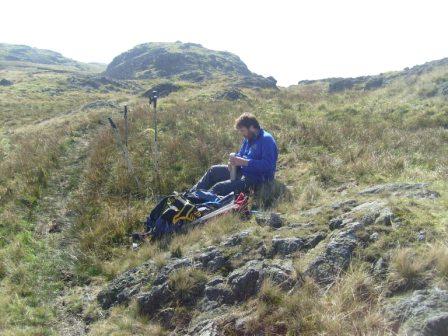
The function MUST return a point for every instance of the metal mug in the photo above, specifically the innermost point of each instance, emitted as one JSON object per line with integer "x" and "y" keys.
{"x": 233, "y": 169}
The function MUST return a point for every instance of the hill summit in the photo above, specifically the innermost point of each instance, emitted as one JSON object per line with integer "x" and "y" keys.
{"x": 183, "y": 61}
{"x": 23, "y": 53}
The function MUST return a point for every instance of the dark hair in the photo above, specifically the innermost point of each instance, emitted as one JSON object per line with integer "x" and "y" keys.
{"x": 246, "y": 120}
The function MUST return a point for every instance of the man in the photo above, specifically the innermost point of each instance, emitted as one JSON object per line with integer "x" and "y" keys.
{"x": 256, "y": 161}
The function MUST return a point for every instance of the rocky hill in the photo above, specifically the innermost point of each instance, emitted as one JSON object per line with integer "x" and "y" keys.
{"x": 23, "y": 53}
{"x": 183, "y": 61}
{"x": 366, "y": 83}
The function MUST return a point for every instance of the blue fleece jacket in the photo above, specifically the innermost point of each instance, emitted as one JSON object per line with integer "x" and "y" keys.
{"x": 262, "y": 155}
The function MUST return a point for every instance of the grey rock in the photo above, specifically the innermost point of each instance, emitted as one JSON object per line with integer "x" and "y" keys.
{"x": 374, "y": 236}
{"x": 204, "y": 328}
{"x": 347, "y": 204}
{"x": 104, "y": 83}
{"x": 5, "y": 82}
{"x": 379, "y": 268}
{"x": 286, "y": 246}
{"x": 424, "y": 312}
{"x": 421, "y": 235}
{"x": 312, "y": 240}
{"x": 335, "y": 223}
{"x": 149, "y": 303}
{"x": 271, "y": 219}
{"x": 162, "y": 275}
{"x": 313, "y": 211}
{"x": 125, "y": 286}
{"x": 280, "y": 272}
{"x": 212, "y": 260}
{"x": 368, "y": 207}
{"x": 257, "y": 82}
{"x": 166, "y": 317}
{"x": 385, "y": 217}
{"x": 335, "y": 259}
{"x": 236, "y": 239}
{"x": 413, "y": 190}
{"x": 244, "y": 282}
{"x": 220, "y": 293}
{"x": 436, "y": 325}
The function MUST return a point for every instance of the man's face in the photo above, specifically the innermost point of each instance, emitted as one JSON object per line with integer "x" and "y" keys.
{"x": 248, "y": 133}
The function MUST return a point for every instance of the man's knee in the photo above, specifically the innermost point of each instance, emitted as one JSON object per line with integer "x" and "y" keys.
{"x": 219, "y": 172}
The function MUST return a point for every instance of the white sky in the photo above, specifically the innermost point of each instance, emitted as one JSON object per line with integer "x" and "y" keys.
{"x": 290, "y": 40}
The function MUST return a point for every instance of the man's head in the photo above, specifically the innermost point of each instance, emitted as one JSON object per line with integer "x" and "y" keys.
{"x": 247, "y": 125}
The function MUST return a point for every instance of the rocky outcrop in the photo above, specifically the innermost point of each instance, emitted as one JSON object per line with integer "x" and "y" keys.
{"x": 5, "y": 82}
{"x": 184, "y": 61}
{"x": 412, "y": 190}
{"x": 231, "y": 94}
{"x": 366, "y": 83}
{"x": 290, "y": 245}
{"x": 102, "y": 83}
{"x": 162, "y": 89}
{"x": 338, "y": 252}
{"x": 234, "y": 270}
{"x": 423, "y": 313}
{"x": 334, "y": 260}
{"x": 126, "y": 285}
{"x": 23, "y": 53}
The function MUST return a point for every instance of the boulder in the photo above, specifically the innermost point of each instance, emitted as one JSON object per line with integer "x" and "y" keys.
{"x": 125, "y": 286}
{"x": 436, "y": 325}
{"x": 280, "y": 273}
{"x": 245, "y": 281}
{"x": 424, "y": 312}
{"x": 312, "y": 240}
{"x": 5, "y": 82}
{"x": 204, "y": 328}
{"x": 236, "y": 239}
{"x": 150, "y": 302}
{"x": 335, "y": 259}
{"x": 344, "y": 205}
{"x": 271, "y": 219}
{"x": 212, "y": 260}
{"x": 162, "y": 275}
{"x": 218, "y": 291}
{"x": 287, "y": 246}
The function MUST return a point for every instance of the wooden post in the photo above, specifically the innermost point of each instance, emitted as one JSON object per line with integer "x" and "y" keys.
{"x": 124, "y": 151}
{"x": 126, "y": 125}
{"x": 153, "y": 102}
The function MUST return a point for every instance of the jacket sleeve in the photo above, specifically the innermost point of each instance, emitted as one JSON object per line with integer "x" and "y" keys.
{"x": 268, "y": 158}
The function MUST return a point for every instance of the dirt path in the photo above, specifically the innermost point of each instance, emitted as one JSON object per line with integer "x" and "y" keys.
{"x": 53, "y": 222}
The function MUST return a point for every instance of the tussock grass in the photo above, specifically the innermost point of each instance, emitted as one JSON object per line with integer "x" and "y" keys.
{"x": 123, "y": 323}
{"x": 348, "y": 308}
{"x": 186, "y": 283}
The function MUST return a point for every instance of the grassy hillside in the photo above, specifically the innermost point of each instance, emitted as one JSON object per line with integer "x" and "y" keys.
{"x": 68, "y": 205}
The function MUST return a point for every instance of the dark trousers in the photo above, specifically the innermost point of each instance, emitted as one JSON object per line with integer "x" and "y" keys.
{"x": 217, "y": 180}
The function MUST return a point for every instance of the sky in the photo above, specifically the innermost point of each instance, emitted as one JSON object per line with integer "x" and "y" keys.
{"x": 290, "y": 40}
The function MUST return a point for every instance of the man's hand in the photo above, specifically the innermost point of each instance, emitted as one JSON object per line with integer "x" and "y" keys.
{"x": 238, "y": 161}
